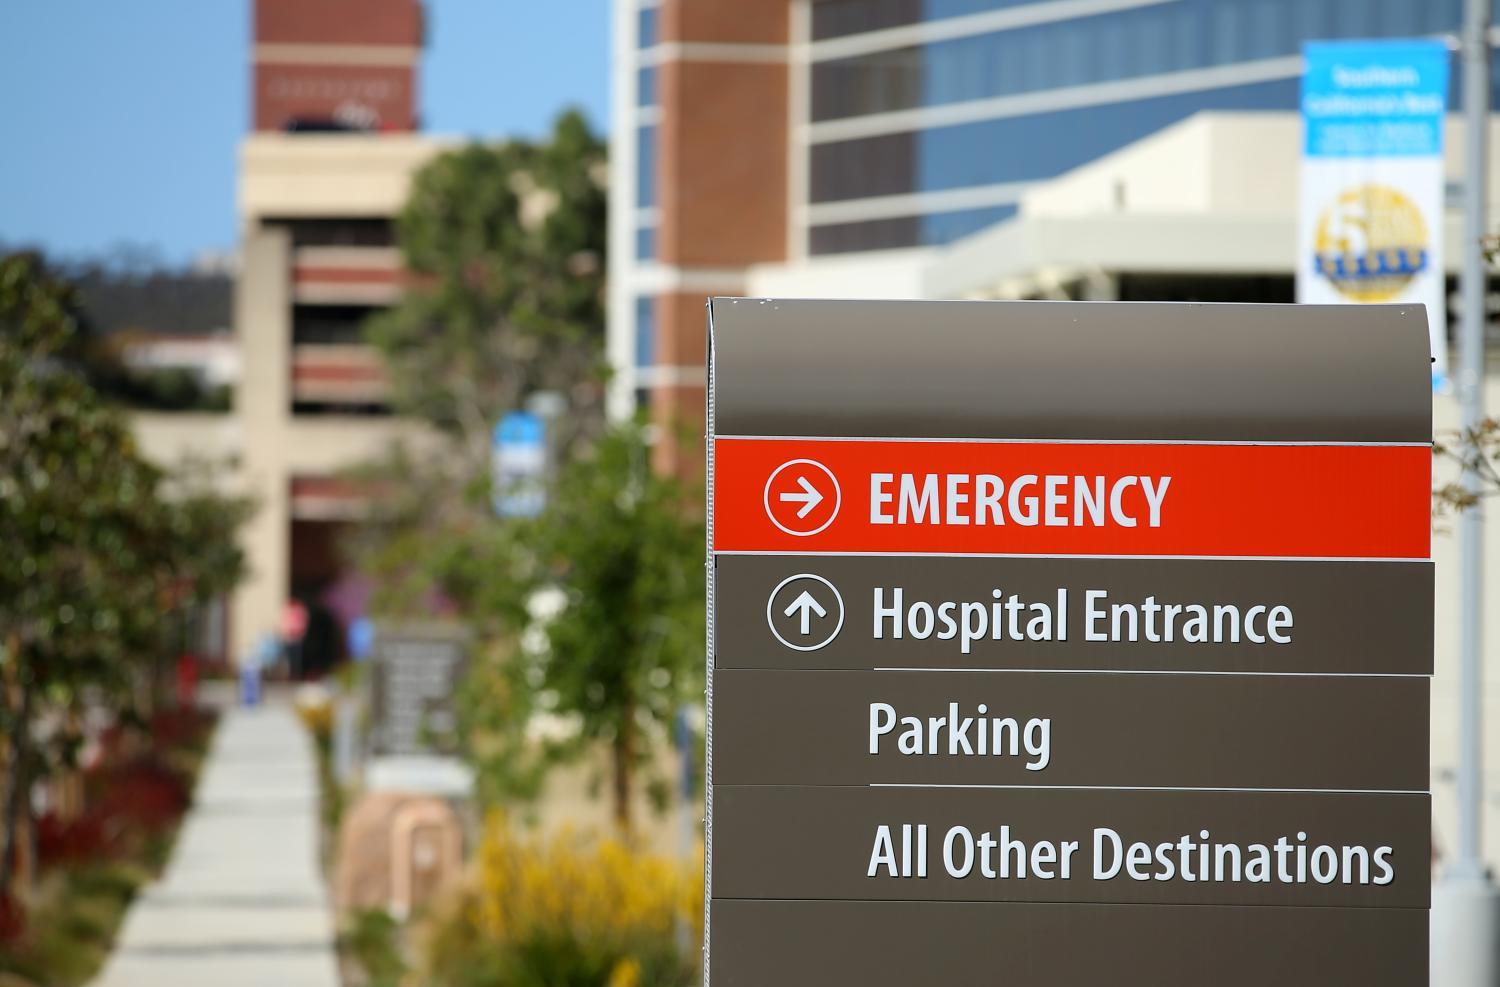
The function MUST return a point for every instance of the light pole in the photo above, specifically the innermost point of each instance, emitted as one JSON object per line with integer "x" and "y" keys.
{"x": 1465, "y": 907}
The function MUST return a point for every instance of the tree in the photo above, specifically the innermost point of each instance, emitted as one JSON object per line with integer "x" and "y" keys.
{"x": 504, "y": 246}
{"x": 1473, "y": 450}
{"x": 625, "y": 546}
{"x": 97, "y": 558}
{"x": 505, "y": 249}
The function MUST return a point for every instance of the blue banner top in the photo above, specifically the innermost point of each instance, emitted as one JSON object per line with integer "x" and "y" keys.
{"x": 1374, "y": 98}
{"x": 520, "y": 428}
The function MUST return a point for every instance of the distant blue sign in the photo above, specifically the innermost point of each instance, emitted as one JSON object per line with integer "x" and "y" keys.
{"x": 1370, "y": 224}
{"x": 519, "y": 465}
{"x": 361, "y": 636}
{"x": 1375, "y": 98}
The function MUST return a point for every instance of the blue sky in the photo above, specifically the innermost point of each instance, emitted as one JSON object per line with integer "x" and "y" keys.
{"x": 121, "y": 117}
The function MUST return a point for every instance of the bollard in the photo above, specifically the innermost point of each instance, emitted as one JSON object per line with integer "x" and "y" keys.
{"x": 1465, "y": 934}
{"x": 250, "y": 684}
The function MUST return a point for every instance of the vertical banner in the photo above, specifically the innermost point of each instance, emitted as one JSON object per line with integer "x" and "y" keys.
{"x": 518, "y": 465}
{"x": 1370, "y": 226}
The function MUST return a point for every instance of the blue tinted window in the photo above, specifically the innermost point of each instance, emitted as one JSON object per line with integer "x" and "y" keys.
{"x": 905, "y": 231}
{"x": 645, "y": 176}
{"x": 1356, "y": 18}
{"x": 645, "y": 332}
{"x": 1456, "y": 82}
{"x": 945, "y": 227}
{"x": 645, "y": 243}
{"x": 645, "y": 86}
{"x": 646, "y": 28}
{"x": 1025, "y": 148}
{"x": 1170, "y": 37}
{"x": 835, "y": 18}
{"x": 1040, "y": 146}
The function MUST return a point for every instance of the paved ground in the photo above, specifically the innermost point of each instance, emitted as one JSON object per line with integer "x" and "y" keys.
{"x": 242, "y": 903}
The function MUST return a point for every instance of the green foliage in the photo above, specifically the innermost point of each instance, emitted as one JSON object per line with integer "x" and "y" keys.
{"x": 1474, "y": 452}
{"x": 566, "y": 912}
{"x": 104, "y": 550}
{"x": 618, "y": 554}
{"x": 99, "y": 552}
{"x": 621, "y": 543}
{"x": 70, "y": 932}
{"x": 506, "y": 247}
{"x": 76, "y": 502}
{"x": 73, "y": 913}
{"x": 373, "y": 939}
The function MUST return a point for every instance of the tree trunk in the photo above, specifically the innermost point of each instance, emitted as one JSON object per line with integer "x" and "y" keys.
{"x": 624, "y": 758}
{"x": 15, "y": 785}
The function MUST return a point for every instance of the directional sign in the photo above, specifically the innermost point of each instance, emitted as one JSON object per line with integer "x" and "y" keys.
{"x": 1098, "y": 651}
{"x": 803, "y": 606}
{"x": 518, "y": 465}
{"x": 802, "y": 497}
{"x": 805, "y": 612}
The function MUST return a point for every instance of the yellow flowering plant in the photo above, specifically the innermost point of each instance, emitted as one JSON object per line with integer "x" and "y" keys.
{"x": 568, "y": 911}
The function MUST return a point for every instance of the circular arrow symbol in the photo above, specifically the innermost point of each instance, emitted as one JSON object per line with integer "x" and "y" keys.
{"x": 802, "y": 497}
{"x": 805, "y": 612}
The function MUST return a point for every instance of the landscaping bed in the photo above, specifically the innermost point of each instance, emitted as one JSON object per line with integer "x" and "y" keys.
{"x": 58, "y": 928}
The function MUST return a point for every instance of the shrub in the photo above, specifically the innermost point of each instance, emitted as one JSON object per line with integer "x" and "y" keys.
{"x": 373, "y": 939}
{"x": 568, "y": 912}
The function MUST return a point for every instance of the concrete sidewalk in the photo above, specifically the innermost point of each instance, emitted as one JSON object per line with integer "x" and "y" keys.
{"x": 242, "y": 903}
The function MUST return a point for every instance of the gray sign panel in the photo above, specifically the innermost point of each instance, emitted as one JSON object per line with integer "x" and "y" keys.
{"x": 1051, "y": 370}
{"x": 1367, "y": 617}
{"x": 1039, "y": 728}
{"x": 1083, "y": 845}
{"x": 887, "y": 944}
{"x": 415, "y": 672}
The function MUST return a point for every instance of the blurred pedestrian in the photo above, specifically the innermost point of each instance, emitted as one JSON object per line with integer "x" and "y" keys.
{"x": 293, "y": 631}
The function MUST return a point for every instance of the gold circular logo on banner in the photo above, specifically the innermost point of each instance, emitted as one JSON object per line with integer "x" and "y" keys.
{"x": 1370, "y": 243}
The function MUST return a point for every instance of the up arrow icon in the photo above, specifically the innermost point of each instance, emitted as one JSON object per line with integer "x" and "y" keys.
{"x": 794, "y": 603}
{"x": 808, "y": 606}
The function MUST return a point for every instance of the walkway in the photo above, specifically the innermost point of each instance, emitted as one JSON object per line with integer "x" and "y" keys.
{"x": 242, "y": 903}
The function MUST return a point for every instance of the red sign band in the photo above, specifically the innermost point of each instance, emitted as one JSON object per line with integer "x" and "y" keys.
{"x": 1038, "y": 498}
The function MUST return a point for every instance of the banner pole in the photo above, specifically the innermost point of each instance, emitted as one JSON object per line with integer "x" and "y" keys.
{"x": 1476, "y": 58}
{"x": 1465, "y": 947}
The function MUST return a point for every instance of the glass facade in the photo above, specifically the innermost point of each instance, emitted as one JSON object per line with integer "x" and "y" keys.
{"x": 1014, "y": 149}
{"x": 906, "y": 231}
{"x": 645, "y": 86}
{"x": 646, "y": 25}
{"x": 837, "y": 18}
{"x": 1148, "y": 46}
{"x": 834, "y": 18}
{"x": 645, "y": 332}
{"x": 646, "y": 97}
{"x": 1126, "y": 44}
{"x": 645, "y": 164}
{"x": 645, "y": 242}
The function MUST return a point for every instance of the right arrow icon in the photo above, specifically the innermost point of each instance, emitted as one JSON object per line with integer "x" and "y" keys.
{"x": 802, "y": 497}
{"x": 809, "y": 497}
